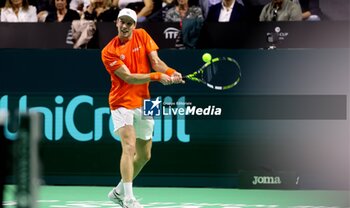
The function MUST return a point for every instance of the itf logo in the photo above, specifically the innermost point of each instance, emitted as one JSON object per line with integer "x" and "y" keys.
{"x": 151, "y": 107}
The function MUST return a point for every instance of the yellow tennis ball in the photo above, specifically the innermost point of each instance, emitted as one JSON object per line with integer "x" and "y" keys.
{"x": 206, "y": 57}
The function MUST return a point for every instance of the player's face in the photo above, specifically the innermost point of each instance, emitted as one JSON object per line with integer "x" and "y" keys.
{"x": 125, "y": 27}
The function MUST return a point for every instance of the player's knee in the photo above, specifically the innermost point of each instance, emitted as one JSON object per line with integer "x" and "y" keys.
{"x": 129, "y": 148}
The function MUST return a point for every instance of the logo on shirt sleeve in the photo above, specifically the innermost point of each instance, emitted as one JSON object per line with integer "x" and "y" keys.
{"x": 113, "y": 63}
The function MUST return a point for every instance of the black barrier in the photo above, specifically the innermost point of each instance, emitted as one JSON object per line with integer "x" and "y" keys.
{"x": 322, "y": 34}
{"x": 288, "y": 113}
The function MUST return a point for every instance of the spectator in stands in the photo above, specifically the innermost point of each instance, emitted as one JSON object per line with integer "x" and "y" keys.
{"x": 159, "y": 14}
{"x": 101, "y": 10}
{"x": 281, "y": 10}
{"x": 190, "y": 18}
{"x": 182, "y": 10}
{"x": 62, "y": 13}
{"x": 206, "y": 4}
{"x": 227, "y": 11}
{"x": 311, "y": 10}
{"x": 143, "y": 8}
{"x": 79, "y": 5}
{"x": 254, "y": 8}
{"x": 18, "y": 11}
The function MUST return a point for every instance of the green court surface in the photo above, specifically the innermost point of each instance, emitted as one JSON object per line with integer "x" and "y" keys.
{"x": 85, "y": 196}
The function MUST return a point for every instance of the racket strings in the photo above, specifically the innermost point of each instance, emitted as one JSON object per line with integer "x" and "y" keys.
{"x": 211, "y": 72}
{"x": 221, "y": 73}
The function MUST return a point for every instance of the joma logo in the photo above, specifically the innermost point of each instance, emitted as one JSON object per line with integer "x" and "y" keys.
{"x": 266, "y": 180}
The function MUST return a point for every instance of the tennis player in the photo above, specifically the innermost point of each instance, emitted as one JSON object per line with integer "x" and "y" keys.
{"x": 127, "y": 58}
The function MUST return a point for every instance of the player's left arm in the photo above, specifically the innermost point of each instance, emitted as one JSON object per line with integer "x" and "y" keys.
{"x": 160, "y": 66}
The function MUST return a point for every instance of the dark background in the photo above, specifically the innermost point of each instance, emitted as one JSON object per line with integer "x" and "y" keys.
{"x": 288, "y": 113}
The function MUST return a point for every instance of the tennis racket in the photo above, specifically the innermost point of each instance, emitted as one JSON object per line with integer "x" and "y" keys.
{"x": 218, "y": 74}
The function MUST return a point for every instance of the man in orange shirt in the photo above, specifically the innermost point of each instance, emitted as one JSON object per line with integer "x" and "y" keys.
{"x": 127, "y": 58}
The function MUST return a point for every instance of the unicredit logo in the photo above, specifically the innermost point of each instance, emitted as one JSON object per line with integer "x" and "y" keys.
{"x": 61, "y": 119}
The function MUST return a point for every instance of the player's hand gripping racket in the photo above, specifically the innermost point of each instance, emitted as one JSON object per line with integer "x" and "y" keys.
{"x": 218, "y": 73}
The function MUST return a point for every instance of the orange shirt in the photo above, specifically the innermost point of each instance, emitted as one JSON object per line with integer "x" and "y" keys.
{"x": 134, "y": 54}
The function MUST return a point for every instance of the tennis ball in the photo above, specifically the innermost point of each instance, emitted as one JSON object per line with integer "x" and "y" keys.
{"x": 206, "y": 57}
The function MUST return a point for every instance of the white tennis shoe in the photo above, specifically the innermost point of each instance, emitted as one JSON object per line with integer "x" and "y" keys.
{"x": 131, "y": 203}
{"x": 115, "y": 197}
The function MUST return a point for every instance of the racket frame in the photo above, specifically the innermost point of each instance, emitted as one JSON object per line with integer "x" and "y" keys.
{"x": 200, "y": 72}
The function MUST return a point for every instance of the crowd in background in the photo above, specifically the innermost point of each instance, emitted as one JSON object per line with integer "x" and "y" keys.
{"x": 160, "y": 10}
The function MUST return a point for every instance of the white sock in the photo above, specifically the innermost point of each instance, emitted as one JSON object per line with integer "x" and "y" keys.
{"x": 119, "y": 188}
{"x": 128, "y": 190}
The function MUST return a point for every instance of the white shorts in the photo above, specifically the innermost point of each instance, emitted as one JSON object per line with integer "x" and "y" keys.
{"x": 143, "y": 125}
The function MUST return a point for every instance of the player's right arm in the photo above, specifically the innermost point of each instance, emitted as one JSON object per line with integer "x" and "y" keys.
{"x": 115, "y": 66}
{"x": 132, "y": 78}
{"x": 161, "y": 66}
